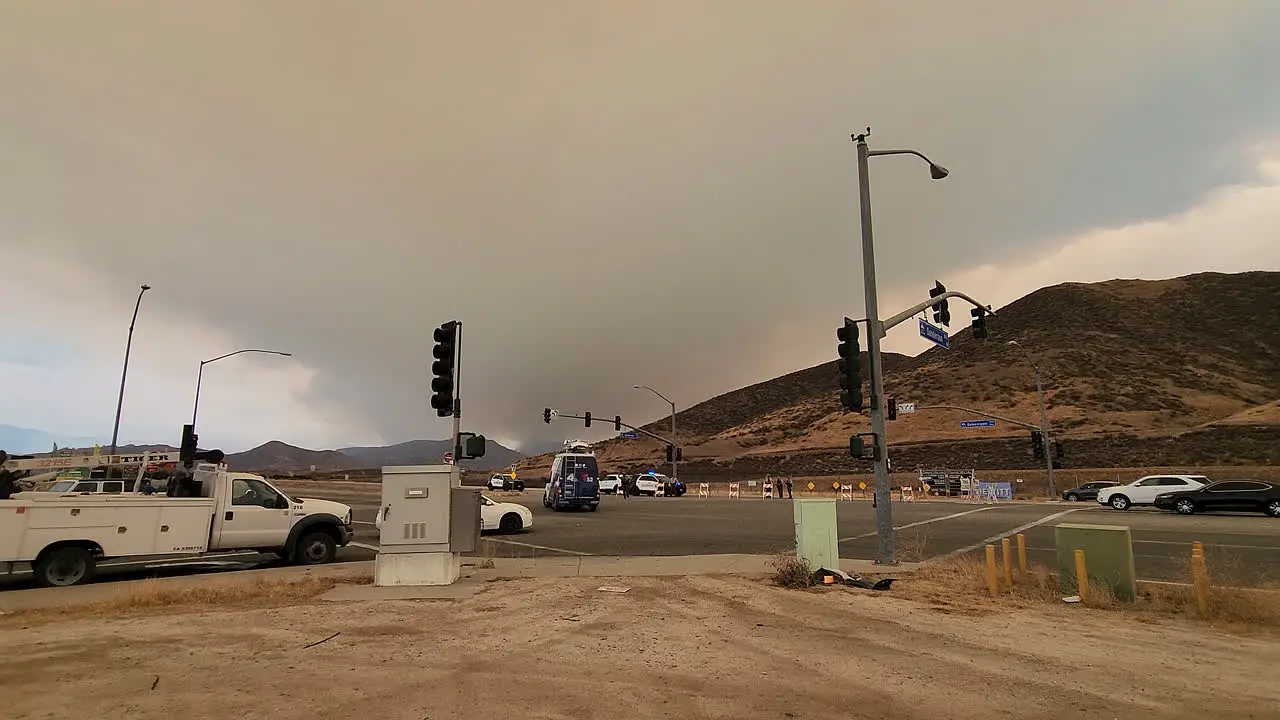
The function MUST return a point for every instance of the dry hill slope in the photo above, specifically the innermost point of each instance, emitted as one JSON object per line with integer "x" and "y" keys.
{"x": 1123, "y": 358}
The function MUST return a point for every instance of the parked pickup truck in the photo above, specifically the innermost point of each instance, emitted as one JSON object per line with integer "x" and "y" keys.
{"x": 63, "y": 536}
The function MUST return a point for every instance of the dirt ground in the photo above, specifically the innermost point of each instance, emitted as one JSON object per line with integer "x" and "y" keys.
{"x": 696, "y": 647}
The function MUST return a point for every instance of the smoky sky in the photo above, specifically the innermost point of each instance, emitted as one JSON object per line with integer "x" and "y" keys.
{"x": 606, "y": 194}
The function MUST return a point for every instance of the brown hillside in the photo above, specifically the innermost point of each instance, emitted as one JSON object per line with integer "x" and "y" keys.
{"x": 1118, "y": 357}
{"x": 278, "y": 457}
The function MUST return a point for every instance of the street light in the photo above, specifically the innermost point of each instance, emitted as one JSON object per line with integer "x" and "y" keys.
{"x": 115, "y": 431}
{"x": 200, "y": 375}
{"x": 875, "y": 331}
{"x": 1044, "y": 421}
{"x": 674, "y": 446}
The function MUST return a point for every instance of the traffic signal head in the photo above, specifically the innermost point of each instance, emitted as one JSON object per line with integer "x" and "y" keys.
{"x": 473, "y": 446}
{"x": 856, "y": 446}
{"x": 891, "y": 411}
{"x": 941, "y": 309}
{"x": 442, "y": 368}
{"x": 187, "y": 449}
{"x": 850, "y": 366}
{"x": 617, "y": 423}
{"x": 586, "y": 416}
{"x": 546, "y": 415}
{"x": 1037, "y": 444}
{"x": 979, "y": 324}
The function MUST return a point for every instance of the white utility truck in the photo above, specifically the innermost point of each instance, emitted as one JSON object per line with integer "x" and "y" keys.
{"x": 62, "y": 536}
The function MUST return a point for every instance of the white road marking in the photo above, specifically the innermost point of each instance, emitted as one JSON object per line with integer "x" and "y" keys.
{"x": 1014, "y": 531}
{"x": 1187, "y": 543}
{"x": 365, "y": 546}
{"x": 540, "y": 547}
{"x": 924, "y": 522}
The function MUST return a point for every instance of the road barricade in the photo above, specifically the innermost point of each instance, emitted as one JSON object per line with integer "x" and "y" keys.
{"x": 846, "y": 492}
{"x": 733, "y": 491}
{"x": 907, "y": 494}
{"x": 704, "y": 489}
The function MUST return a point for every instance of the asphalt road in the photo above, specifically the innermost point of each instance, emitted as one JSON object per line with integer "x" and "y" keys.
{"x": 1241, "y": 549}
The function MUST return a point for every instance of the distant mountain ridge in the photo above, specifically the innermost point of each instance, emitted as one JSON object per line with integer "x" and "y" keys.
{"x": 280, "y": 457}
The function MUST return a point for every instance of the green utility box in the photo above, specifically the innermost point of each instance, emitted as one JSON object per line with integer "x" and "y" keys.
{"x": 816, "y": 541}
{"x": 1108, "y": 557}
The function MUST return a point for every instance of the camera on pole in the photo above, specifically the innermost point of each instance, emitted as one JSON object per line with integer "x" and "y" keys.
{"x": 850, "y": 366}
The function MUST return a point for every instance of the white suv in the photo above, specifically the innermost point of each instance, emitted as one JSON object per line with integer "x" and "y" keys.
{"x": 611, "y": 484}
{"x": 1144, "y": 490}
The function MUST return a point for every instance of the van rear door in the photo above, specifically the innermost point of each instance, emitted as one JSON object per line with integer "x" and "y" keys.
{"x": 581, "y": 479}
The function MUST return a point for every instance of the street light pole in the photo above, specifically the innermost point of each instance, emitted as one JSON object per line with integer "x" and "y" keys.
{"x": 674, "y": 446}
{"x": 128, "y": 347}
{"x": 1044, "y": 422}
{"x": 875, "y": 331}
{"x": 195, "y": 407}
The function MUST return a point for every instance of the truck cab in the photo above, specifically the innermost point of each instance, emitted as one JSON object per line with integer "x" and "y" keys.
{"x": 574, "y": 480}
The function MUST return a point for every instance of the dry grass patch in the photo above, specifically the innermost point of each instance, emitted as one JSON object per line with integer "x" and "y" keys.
{"x": 790, "y": 571}
{"x": 154, "y": 597}
{"x": 959, "y": 585}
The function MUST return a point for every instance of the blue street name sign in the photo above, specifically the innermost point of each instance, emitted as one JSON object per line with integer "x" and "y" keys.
{"x": 629, "y": 435}
{"x": 977, "y": 423}
{"x": 935, "y": 335}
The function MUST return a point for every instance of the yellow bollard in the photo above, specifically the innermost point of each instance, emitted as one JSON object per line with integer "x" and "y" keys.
{"x": 1022, "y": 555}
{"x": 1082, "y": 576}
{"x": 1006, "y": 555}
{"x": 991, "y": 571}
{"x": 1200, "y": 578}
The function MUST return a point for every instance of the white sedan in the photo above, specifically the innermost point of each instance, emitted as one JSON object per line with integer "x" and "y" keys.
{"x": 504, "y": 517}
{"x": 1144, "y": 490}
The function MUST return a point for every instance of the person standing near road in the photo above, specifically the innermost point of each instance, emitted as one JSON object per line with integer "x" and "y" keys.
{"x": 789, "y": 495}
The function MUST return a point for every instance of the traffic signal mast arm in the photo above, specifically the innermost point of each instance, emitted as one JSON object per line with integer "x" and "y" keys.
{"x": 664, "y": 441}
{"x": 1028, "y": 426}
{"x": 910, "y": 312}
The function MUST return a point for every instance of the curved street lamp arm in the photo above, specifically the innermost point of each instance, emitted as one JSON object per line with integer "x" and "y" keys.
{"x": 237, "y": 352}
{"x": 655, "y": 392}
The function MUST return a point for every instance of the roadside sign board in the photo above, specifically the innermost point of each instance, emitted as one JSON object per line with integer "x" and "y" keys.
{"x": 862, "y": 486}
{"x": 977, "y": 423}
{"x": 810, "y": 486}
{"x": 448, "y": 457}
{"x": 935, "y": 335}
{"x": 629, "y": 435}
{"x": 905, "y": 408}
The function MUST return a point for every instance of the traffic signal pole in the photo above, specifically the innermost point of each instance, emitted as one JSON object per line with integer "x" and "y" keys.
{"x": 632, "y": 428}
{"x": 884, "y": 506}
{"x": 457, "y": 400}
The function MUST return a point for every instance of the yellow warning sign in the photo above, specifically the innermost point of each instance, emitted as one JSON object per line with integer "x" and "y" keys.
{"x": 835, "y": 485}
{"x": 862, "y": 486}
{"x": 810, "y": 486}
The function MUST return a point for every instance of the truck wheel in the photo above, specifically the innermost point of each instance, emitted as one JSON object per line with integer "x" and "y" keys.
{"x": 315, "y": 548}
{"x": 63, "y": 567}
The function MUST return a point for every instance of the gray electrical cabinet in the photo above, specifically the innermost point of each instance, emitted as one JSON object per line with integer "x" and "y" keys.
{"x": 425, "y": 510}
{"x": 464, "y": 519}
{"x": 416, "y": 501}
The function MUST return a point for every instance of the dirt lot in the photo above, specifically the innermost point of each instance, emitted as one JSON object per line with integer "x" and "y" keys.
{"x": 700, "y": 647}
